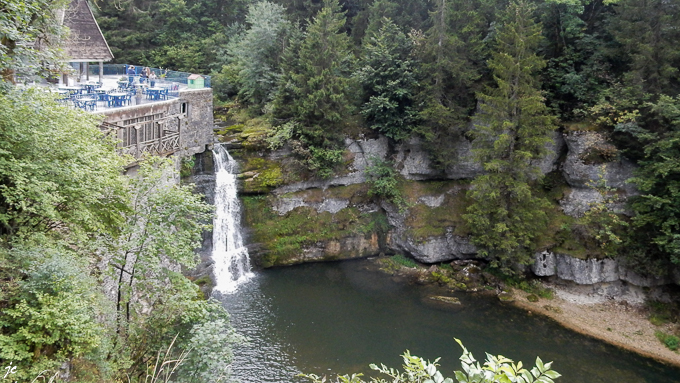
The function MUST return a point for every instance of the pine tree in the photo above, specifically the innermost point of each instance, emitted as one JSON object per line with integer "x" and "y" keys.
{"x": 319, "y": 90}
{"x": 512, "y": 130}
{"x": 387, "y": 77}
{"x": 451, "y": 52}
{"x": 648, "y": 32}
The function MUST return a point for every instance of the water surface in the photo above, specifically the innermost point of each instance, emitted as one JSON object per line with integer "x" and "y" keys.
{"x": 330, "y": 318}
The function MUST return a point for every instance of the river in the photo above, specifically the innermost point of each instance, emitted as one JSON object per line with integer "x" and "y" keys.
{"x": 330, "y": 318}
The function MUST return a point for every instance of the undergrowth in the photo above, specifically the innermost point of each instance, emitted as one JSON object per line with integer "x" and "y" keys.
{"x": 670, "y": 341}
{"x": 401, "y": 260}
{"x": 661, "y": 313}
{"x": 531, "y": 286}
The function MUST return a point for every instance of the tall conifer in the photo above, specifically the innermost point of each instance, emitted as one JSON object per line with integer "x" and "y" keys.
{"x": 452, "y": 54}
{"x": 387, "y": 77}
{"x": 320, "y": 89}
{"x": 512, "y": 130}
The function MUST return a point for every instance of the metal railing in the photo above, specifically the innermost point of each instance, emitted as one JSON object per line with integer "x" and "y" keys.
{"x": 161, "y": 74}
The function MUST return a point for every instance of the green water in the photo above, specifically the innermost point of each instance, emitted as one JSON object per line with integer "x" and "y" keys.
{"x": 330, "y": 318}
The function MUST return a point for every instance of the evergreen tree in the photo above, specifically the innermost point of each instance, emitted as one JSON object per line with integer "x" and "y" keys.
{"x": 386, "y": 75}
{"x": 577, "y": 66}
{"x": 316, "y": 93}
{"x": 648, "y": 32}
{"x": 511, "y": 133}
{"x": 654, "y": 242}
{"x": 451, "y": 52}
{"x": 255, "y": 54}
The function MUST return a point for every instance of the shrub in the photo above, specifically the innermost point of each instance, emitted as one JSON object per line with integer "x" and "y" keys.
{"x": 403, "y": 261}
{"x": 671, "y": 341}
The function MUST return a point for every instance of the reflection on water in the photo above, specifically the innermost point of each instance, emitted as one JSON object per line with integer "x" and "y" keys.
{"x": 330, "y": 318}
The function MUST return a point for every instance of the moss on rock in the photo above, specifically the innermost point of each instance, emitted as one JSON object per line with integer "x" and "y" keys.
{"x": 284, "y": 238}
{"x": 424, "y": 221}
{"x": 259, "y": 175}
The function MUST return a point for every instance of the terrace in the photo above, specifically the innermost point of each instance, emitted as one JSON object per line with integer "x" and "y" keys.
{"x": 113, "y": 89}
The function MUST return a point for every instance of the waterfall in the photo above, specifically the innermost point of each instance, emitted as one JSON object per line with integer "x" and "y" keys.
{"x": 230, "y": 257}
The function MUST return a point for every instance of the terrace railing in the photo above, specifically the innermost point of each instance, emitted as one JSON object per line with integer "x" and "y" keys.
{"x": 161, "y": 74}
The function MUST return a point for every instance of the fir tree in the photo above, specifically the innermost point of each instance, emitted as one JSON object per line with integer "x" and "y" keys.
{"x": 451, "y": 52}
{"x": 318, "y": 90}
{"x": 511, "y": 133}
{"x": 386, "y": 75}
{"x": 648, "y": 32}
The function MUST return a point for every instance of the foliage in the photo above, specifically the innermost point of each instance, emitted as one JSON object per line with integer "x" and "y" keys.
{"x": 531, "y": 286}
{"x": 316, "y": 91}
{"x": 670, "y": 341}
{"x": 386, "y": 75}
{"x": 186, "y": 35}
{"x": 661, "y": 313}
{"x": 656, "y": 221}
{"x": 452, "y": 52}
{"x": 30, "y": 38}
{"x": 186, "y": 166}
{"x": 647, "y": 32}
{"x": 603, "y": 225}
{"x": 58, "y": 173}
{"x": 400, "y": 259}
{"x": 52, "y": 315}
{"x": 578, "y": 67}
{"x": 255, "y": 54}
{"x": 496, "y": 369}
{"x": 383, "y": 182}
{"x": 210, "y": 357}
{"x": 280, "y": 135}
{"x": 162, "y": 230}
{"x": 61, "y": 188}
{"x": 511, "y": 134}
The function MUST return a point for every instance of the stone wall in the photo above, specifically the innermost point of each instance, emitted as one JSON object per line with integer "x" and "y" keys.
{"x": 198, "y": 134}
{"x": 194, "y": 108}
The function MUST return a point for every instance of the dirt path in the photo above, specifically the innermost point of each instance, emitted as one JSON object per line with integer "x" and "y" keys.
{"x": 614, "y": 322}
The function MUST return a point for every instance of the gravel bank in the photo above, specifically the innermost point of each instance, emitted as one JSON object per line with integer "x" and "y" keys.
{"x": 619, "y": 323}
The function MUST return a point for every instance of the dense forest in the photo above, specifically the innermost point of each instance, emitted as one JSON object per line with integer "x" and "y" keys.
{"x": 85, "y": 286}
{"x": 503, "y": 75}
{"x": 91, "y": 288}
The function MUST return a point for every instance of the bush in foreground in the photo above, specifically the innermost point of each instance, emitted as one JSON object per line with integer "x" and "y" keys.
{"x": 496, "y": 369}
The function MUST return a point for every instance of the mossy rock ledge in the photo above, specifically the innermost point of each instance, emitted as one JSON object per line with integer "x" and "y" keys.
{"x": 291, "y": 217}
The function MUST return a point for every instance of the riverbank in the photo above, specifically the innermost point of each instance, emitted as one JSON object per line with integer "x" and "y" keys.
{"x": 618, "y": 323}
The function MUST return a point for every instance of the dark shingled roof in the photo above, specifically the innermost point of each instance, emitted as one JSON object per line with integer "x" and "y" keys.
{"x": 86, "y": 42}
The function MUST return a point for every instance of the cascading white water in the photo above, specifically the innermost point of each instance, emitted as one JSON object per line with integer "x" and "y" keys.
{"x": 232, "y": 264}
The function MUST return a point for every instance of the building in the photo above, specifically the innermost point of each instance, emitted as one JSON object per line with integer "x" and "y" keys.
{"x": 86, "y": 43}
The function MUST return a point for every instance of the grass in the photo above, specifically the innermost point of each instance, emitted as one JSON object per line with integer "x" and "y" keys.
{"x": 403, "y": 261}
{"x": 672, "y": 342}
{"x": 661, "y": 313}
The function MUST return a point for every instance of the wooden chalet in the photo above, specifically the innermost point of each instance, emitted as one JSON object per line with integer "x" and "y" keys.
{"x": 85, "y": 43}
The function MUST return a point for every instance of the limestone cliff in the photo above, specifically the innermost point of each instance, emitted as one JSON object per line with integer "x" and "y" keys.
{"x": 292, "y": 218}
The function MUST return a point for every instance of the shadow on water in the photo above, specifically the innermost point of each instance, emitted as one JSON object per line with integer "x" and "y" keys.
{"x": 330, "y": 318}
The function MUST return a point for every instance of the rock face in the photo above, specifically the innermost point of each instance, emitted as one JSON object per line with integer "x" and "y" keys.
{"x": 589, "y": 271}
{"x": 592, "y": 163}
{"x": 431, "y": 249}
{"x": 303, "y": 220}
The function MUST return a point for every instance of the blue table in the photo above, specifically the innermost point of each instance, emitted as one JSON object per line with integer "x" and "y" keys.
{"x": 117, "y": 99}
{"x": 154, "y": 93}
